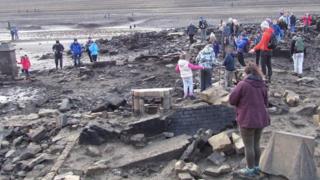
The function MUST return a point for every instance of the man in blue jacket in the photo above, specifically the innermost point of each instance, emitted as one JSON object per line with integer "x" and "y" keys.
{"x": 76, "y": 51}
{"x": 94, "y": 50}
{"x": 276, "y": 30}
{"x": 241, "y": 43}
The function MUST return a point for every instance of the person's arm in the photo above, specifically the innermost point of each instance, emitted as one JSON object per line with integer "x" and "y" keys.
{"x": 62, "y": 47}
{"x": 194, "y": 67}
{"x": 53, "y": 47}
{"x": 235, "y": 95}
{"x": 177, "y": 68}
{"x": 261, "y": 43}
{"x": 266, "y": 99}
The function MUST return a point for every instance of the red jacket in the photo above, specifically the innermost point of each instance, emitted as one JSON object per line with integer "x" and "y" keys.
{"x": 307, "y": 20}
{"x": 25, "y": 62}
{"x": 251, "y": 100}
{"x": 264, "y": 42}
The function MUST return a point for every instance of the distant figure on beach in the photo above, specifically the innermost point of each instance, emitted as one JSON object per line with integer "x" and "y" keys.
{"x": 94, "y": 49}
{"x": 88, "y": 44}
{"x": 191, "y": 31}
{"x": 58, "y": 54}
{"x": 76, "y": 51}
{"x": 14, "y": 33}
{"x": 25, "y": 62}
{"x": 203, "y": 25}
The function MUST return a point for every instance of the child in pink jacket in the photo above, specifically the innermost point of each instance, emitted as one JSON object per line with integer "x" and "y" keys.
{"x": 184, "y": 67}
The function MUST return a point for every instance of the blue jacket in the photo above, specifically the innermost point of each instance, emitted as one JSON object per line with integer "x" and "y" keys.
{"x": 276, "y": 29}
{"x": 76, "y": 48}
{"x": 216, "y": 47}
{"x": 229, "y": 62}
{"x": 94, "y": 49}
{"x": 241, "y": 44}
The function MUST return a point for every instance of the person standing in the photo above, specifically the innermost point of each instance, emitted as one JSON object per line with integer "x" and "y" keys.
{"x": 229, "y": 64}
{"x": 206, "y": 58}
{"x": 58, "y": 54}
{"x": 277, "y": 30}
{"x": 184, "y": 67}
{"x": 298, "y": 52}
{"x": 88, "y": 44}
{"x": 76, "y": 51}
{"x": 191, "y": 31}
{"x": 203, "y": 25}
{"x": 266, "y": 51}
{"x": 307, "y": 21}
{"x": 12, "y": 33}
{"x": 241, "y": 44}
{"x": 25, "y": 62}
{"x": 250, "y": 97}
{"x": 293, "y": 22}
{"x": 94, "y": 49}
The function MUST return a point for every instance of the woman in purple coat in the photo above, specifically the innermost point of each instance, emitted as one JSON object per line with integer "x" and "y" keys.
{"x": 250, "y": 97}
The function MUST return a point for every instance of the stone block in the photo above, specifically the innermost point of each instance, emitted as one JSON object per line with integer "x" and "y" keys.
{"x": 238, "y": 143}
{"x": 38, "y": 134}
{"x": 217, "y": 158}
{"x": 215, "y": 172}
{"x": 216, "y": 95}
{"x": 179, "y": 165}
{"x": 290, "y": 155}
{"x": 185, "y": 176}
{"x": 193, "y": 169}
{"x": 305, "y": 110}
{"x": 316, "y": 119}
{"x": 291, "y": 98}
{"x": 93, "y": 151}
{"x": 48, "y": 113}
{"x": 220, "y": 142}
{"x": 138, "y": 140}
{"x": 65, "y": 105}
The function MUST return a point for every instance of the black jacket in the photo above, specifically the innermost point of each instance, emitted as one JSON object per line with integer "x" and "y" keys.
{"x": 58, "y": 49}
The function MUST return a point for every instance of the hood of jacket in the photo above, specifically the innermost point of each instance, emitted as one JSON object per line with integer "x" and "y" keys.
{"x": 255, "y": 81}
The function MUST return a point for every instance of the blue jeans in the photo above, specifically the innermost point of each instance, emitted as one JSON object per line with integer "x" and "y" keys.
{"x": 292, "y": 28}
{"x": 187, "y": 86}
{"x": 76, "y": 59}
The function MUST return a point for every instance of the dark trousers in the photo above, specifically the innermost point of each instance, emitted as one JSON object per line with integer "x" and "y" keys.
{"x": 26, "y": 72}
{"x": 266, "y": 63}
{"x": 94, "y": 58}
{"x": 205, "y": 79}
{"x": 89, "y": 54}
{"x": 251, "y": 140}
{"x": 258, "y": 54}
{"x": 58, "y": 60}
{"x": 241, "y": 59}
{"x": 191, "y": 38}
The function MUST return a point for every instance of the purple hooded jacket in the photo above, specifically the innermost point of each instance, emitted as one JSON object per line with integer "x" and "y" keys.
{"x": 251, "y": 100}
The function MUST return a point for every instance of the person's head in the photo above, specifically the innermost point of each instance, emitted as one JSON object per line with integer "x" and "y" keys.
{"x": 57, "y": 41}
{"x": 264, "y": 25}
{"x": 212, "y": 37}
{"x": 229, "y": 49}
{"x": 253, "y": 69}
{"x": 269, "y": 21}
{"x": 183, "y": 55}
{"x": 230, "y": 20}
{"x": 201, "y": 18}
{"x": 75, "y": 40}
{"x": 307, "y": 14}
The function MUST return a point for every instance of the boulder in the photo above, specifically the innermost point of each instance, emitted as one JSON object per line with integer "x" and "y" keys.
{"x": 193, "y": 169}
{"x": 217, "y": 158}
{"x": 215, "y": 95}
{"x": 38, "y": 134}
{"x": 138, "y": 140}
{"x": 238, "y": 143}
{"x": 215, "y": 172}
{"x": 291, "y": 98}
{"x": 41, "y": 158}
{"x": 32, "y": 116}
{"x": 93, "y": 151}
{"x": 94, "y": 134}
{"x": 305, "y": 110}
{"x": 185, "y": 176}
{"x": 48, "y": 113}
{"x": 179, "y": 165}
{"x": 220, "y": 142}
{"x": 110, "y": 104}
{"x": 10, "y": 153}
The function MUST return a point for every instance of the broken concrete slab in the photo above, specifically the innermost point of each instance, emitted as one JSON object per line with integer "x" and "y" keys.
{"x": 48, "y": 113}
{"x": 138, "y": 140}
{"x": 65, "y": 105}
{"x": 193, "y": 169}
{"x": 185, "y": 176}
{"x": 95, "y": 134}
{"x": 289, "y": 155}
{"x": 216, "y": 95}
{"x": 220, "y": 142}
{"x": 38, "y": 134}
{"x": 305, "y": 110}
{"x": 217, "y": 158}
{"x": 238, "y": 143}
{"x": 179, "y": 165}
{"x": 165, "y": 150}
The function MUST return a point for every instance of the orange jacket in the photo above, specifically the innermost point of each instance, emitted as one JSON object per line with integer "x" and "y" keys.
{"x": 264, "y": 42}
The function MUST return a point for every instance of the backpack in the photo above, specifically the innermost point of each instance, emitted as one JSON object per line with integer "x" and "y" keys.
{"x": 273, "y": 42}
{"x": 299, "y": 44}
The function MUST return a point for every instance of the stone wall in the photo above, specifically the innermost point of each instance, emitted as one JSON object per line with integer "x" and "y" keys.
{"x": 8, "y": 63}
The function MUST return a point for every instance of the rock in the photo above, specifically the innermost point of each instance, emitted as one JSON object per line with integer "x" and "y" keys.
{"x": 216, "y": 95}
{"x": 306, "y": 80}
{"x": 93, "y": 151}
{"x": 305, "y": 110}
{"x": 111, "y": 104}
{"x": 291, "y": 98}
{"x": 29, "y": 152}
{"x": 217, "y": 158}
{"x": 220, "y": 142}
{"x": 62, "y": 121}
{"x": 316, "y": 120}
{"x": 32, "y": 116}
{"x": 193, "y": 169}
{"x": 138, "y": 140}
{"x": 185, "y": 176}
{"x": 170, "y": 65}
{"x": 4, "y": 144}
{"x": 17, "y": 141}
{"x": 238, "y": 143}
{"x": 48, "y": 113}
{"x": 179, "y": 165}
{"x": 67, "y": 176}
{"x": 93, "y": 134}
{"x": 37, "y": 160}
{"x": 168, "y": 134}
{"x": 96, "y": 169}
{"x": 10, "y": 153}
{"x": 8, "y": 167}
{"x": 215, "y": 172}
{"x": 38, "y": 134}
{"x": 65, "y": 105}
{"x": 85, "y": 71}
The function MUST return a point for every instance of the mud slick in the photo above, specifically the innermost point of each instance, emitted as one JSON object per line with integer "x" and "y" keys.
{"x": 78, "y": 123}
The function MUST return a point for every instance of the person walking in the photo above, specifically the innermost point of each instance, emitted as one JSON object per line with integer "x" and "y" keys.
{"x": 12, "y": 33}
{"x": 184, "y": 67}
{"x": 58, "y": 54}
{"x": 266, "y": 49}
{"x": 94, "y": 49}
{"x": 206, "y": 58}
{"x": 203, "y": 25}
{"x": 307, "y": 21}
{"x": 25, "y": 62}
{"x": 241, "y": 44}
{"x": 293, "y": 22}
{"x": 229, "y": 64}
{"x": 88, "y": 44}
{"x": 250, "y": 97}
{"x": 76, "y": 51}
{"x": 191, "y": 31}
{"x": 298, "y": 51}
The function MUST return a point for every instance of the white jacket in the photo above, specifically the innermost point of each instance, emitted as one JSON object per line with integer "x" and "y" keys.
{"x": 185, "y": 70}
